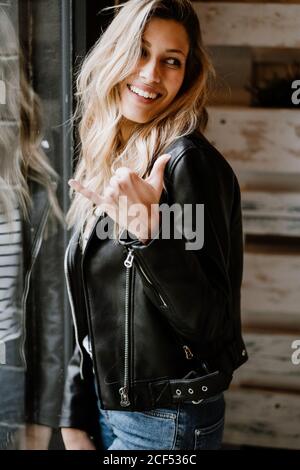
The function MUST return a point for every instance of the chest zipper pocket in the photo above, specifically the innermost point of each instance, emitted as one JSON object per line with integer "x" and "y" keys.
{"x": 187, "y": 351}
{"x": 156, "y": 292}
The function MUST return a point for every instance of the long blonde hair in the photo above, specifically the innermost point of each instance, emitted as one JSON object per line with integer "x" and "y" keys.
{"x": 110, "y": 61}
{"x": 21, "y": 154}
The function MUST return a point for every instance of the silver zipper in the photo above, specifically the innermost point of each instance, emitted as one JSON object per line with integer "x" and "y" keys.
{"x": 72, "y": 304}
{"x": 124, "y": 391}
{"x": 26, "y": 287}
{"x": 188, "y": 352}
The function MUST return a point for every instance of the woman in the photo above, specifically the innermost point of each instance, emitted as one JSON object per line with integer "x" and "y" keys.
{"x": 158, "y": 338}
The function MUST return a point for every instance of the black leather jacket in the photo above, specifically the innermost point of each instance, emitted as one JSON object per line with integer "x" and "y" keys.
{"x": 43, "y": 332}
{"x": 166, "y": 328}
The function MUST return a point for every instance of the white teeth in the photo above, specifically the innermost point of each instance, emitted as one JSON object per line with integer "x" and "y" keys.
{"x": 145, "y": 94}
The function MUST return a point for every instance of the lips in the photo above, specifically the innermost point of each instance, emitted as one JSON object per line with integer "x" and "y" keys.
{"x": 143, "y": 93}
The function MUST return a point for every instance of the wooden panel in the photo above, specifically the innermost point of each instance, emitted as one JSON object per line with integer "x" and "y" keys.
{"x": 239, "y": 67}
{"x": 271, "y": 213}
{"x": 262, "y": 418}
{"x": 271, "y": 25}
{"x": 269, "y": 363}
{"x": 256, "y": 139}
{"x": 271, "y": 290}
{"x": 274, "y": 55}
{"x": 234, "y": 67}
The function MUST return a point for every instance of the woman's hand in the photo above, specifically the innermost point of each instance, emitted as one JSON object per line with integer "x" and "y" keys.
{"x": 76, "y": 439}
{"x": 131, "y": 201}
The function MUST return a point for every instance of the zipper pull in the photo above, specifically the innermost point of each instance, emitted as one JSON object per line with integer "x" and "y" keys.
{"x": 124, "y": 397}
{"x": 129, "y": 259}
{"x": 188, "y": 352}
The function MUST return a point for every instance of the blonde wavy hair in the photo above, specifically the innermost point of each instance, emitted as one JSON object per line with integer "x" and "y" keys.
{"x": 22, "y": 155}
{"x": 111, "y": 61}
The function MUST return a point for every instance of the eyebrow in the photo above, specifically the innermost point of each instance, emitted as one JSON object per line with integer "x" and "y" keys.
{"x": 178, "y": 51}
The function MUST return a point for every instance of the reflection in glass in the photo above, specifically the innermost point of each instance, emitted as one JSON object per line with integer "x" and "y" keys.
{"x": 28, "y": 209}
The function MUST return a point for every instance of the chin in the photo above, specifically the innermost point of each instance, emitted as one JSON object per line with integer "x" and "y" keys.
{"x": 138, "y": 119}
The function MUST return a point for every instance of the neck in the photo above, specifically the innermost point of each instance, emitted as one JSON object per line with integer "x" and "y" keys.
{"x": 127, "y": 128}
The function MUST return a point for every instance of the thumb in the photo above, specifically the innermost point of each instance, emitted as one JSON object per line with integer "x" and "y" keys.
{"x": 156, "y": 177}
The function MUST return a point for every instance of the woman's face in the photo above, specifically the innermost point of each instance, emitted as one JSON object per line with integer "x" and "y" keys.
{"x": 158, "y": 77}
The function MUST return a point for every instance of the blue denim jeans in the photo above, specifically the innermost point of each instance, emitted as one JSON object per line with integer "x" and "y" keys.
{"x": 180, "y": 427}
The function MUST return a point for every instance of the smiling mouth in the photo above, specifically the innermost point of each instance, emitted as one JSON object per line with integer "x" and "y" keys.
{"x": 144, "y": 94}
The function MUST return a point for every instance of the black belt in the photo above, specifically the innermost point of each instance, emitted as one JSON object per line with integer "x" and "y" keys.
{"x": 192, "y": 388}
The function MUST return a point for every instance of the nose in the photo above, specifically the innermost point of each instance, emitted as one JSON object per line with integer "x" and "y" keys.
{"x": 149, "y": 72}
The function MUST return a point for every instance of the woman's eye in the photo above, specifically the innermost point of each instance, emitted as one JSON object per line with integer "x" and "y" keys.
{"x": 174, "y": 62}
{"x": 171, "y": 61}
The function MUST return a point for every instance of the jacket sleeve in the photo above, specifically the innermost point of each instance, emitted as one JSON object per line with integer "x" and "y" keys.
{"x": 79, "y": 408}
{"x": 45, "y": 338}
{"x": 192, "y": 286}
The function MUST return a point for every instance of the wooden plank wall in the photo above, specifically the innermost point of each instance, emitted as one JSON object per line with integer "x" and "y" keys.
{"x": 264, "y": 140}
{"x": 263, "y": 147}
{"x": 271, "y": 288}
{"x": 270, "y": 364}
{"x": 269, "y": 212}
{"x": 272, "y": 25}
{"x": 259, "y": 417}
